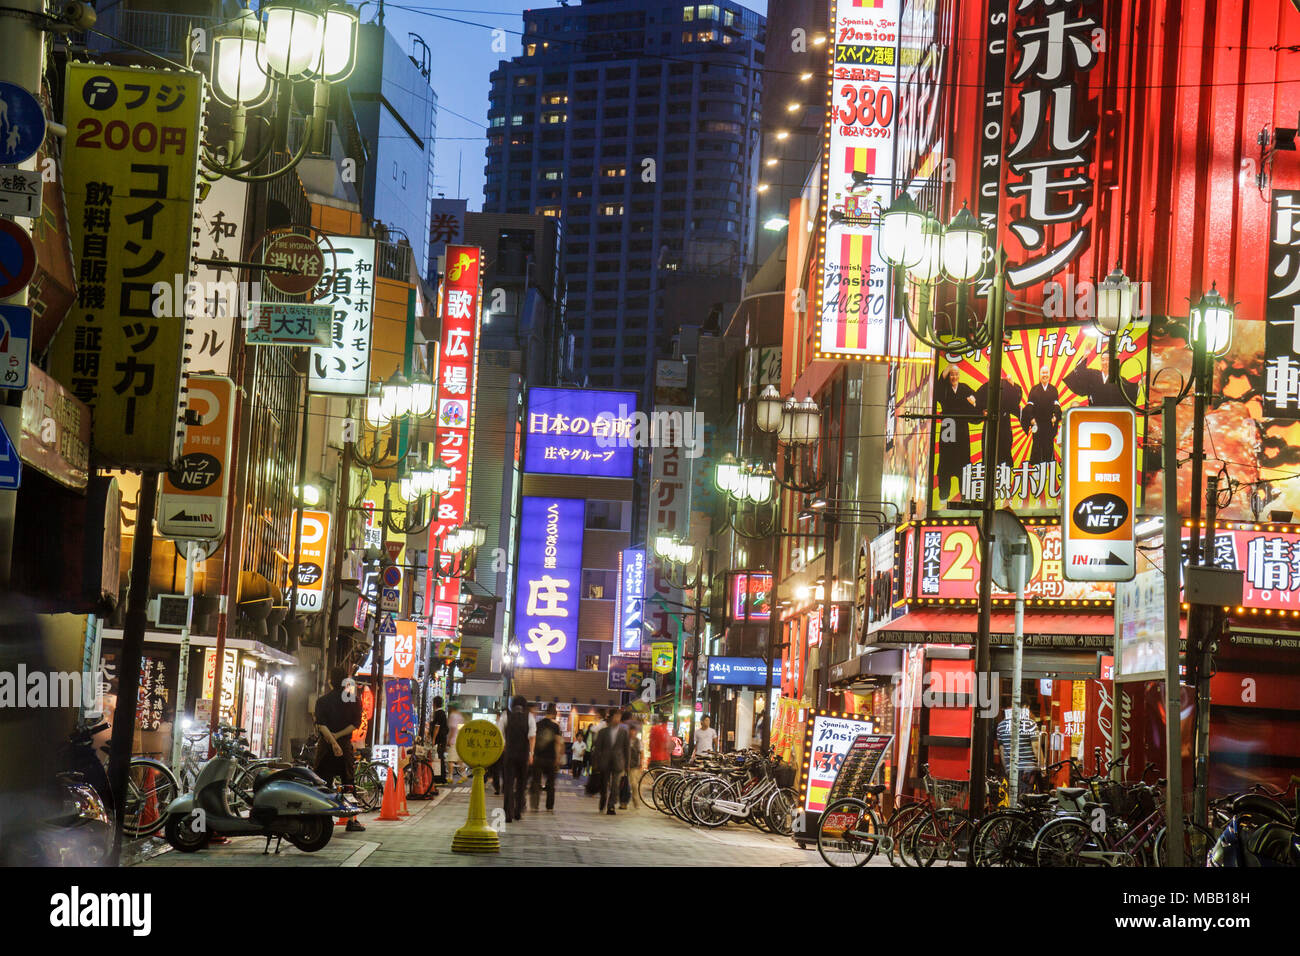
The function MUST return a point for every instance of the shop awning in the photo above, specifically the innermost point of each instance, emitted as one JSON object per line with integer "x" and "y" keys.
{"x": 254, "y": 648}
{"x": 1063, "y": 629}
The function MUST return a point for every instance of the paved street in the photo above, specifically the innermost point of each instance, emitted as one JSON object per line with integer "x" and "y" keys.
{"x": 575, "y": 835}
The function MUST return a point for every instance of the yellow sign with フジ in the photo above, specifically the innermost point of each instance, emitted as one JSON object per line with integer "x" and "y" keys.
{"x": 661, "y": 655}
{"x": 130, "y": 174}
{"x": 479, "y": 743}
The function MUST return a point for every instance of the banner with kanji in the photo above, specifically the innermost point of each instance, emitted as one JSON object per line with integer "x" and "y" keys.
{"x": 401, "y": 715}
{"x": 130, "y": 171}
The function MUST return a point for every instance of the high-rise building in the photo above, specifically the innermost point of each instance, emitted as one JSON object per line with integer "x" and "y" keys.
{"x": 637, "y": 123}
{"x": 396, "y": 110}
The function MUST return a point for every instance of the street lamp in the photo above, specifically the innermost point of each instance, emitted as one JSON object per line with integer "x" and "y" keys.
{"x": 256, "y": 56}
{"x": 683, "y": 568}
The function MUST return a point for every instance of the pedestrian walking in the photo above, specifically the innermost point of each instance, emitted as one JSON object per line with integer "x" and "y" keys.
{"x": 706, "y": 738}
{"x": 593, "y": 771}
{"x": 455, "y": 721}
{"x": 613, "y": 753}
{"x": 438, "y": 737}
{"x": 548, "y": 756}
{"x": 519, "y": 728}
{"x": 337, "y": 715}
{"x": 579, "y": 756}
{"x": 632, "y": 779}
{"x": 660, "y": 751}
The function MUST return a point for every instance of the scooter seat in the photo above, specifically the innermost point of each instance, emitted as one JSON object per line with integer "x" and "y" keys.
{"x": 296, "y": 774}
{"x": 1036, "y": 799}
{"x": 1070, "y": 793}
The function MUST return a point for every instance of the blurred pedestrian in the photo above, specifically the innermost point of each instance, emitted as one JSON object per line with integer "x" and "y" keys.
{"x": 593, "y": 771}
{"x": 455, "y": 721}
{"x": 548, "y": 756}
{"x": 632, "y": 780}
{"x": 519, "y": 728}
{"x": 579, "y": 755}
{"x": 613, "y": 753}
{"x": 438, "y": 737}
{"x": 660, "y": 751}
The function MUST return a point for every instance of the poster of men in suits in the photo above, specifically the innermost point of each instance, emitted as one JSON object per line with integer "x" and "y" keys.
{"x": 1045, "y": 372}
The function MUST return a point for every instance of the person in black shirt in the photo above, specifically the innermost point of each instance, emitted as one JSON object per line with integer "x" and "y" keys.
{"x": 438, "y": 737}
{"x": 519, "y": 729}
{"x": 953, "y": 397}
{"x": 548, "y": 755}
{"x": 1041, "y": 417}
{"x": 337, "y": 715}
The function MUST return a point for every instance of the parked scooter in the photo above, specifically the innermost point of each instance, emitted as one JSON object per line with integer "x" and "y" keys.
{"x": 1260, "y": 833}
{"x": 291, "y": 804}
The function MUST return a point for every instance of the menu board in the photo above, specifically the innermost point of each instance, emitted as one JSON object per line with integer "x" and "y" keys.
{"x": 859, "y": 766}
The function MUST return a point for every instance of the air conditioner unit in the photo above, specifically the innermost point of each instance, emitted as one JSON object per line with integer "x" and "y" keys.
{"x": 169, "y": 611}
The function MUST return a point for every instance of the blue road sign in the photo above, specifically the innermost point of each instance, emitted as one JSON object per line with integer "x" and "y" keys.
{"x": 22, "y": 124}
{"x": 15, "y": 345}
{"x": 17, "y": 258}
{"x": 388, "y": 626}
{"x": 11, "y": 469}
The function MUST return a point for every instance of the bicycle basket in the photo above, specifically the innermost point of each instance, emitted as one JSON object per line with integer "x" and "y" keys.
{"x": 1121, "y": 799}
{"x": 950, "y": 793}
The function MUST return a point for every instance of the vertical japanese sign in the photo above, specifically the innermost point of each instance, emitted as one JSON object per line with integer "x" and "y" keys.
{"x": 631, "y": 598}
{"x": 192, "y": 503}
{"x": 401, "y": 716}
{"x": 313, "y": 555}
{"x": 446, "y": 226}
{"x": 348, "y": 286}
{"x": 550, "y": 573}
{"x": 459, "y": 303}
{"x": 131, "y": 189}
{"x": 852, "y": 298}
{"x": 1051, "y": 157}
{"x": 992, "y": 119}
{"x": 1100, "y": 495}
{"x": 218, "y": 234}
{"x": 1282, "y": 311}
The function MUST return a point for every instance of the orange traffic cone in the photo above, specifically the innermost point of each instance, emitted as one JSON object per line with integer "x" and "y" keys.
{"x": 388, "y": 810}
{"x": 401, "y": 788}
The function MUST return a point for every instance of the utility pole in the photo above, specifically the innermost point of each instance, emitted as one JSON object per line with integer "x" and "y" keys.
{"x": 1173, "y": 686}
{"x": 979, "y": 741}
{"x": 23, "y": 65}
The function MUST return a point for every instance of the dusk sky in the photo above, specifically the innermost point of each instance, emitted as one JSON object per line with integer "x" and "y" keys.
{"x": 460, "y": 39}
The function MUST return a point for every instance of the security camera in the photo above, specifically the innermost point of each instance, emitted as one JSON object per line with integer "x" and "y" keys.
{"x": 78, "y": 15}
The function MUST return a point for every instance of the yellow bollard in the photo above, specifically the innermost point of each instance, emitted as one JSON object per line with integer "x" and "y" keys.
{"x": 478, "y": 744}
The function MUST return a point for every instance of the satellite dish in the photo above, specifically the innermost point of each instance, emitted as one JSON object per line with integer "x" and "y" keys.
{"x": 1009, "y": 537}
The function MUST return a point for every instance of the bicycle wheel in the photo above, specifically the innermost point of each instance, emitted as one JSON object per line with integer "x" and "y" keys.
{"x": 847, "y": 833}
{"x": 150, "y": 787}
{"x": 1198, "y": 841}
{"x": 369, "y": 789}
{"x": 897, "y": 825}
{"x": 943, "y": 835}
{"x": 1060, "y": 841}
{"x": 702, "y": 810}
{"x": 780, "y": 810}
{"x": 659, "y": 791}
{"x": 645, "y": 789}
{"x": 906, "y": 843}
{"x": 1001, "y": 839}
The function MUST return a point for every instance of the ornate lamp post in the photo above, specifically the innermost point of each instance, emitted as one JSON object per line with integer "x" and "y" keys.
{"x": 259, "y": 55}
{"x": 683, "y": 568}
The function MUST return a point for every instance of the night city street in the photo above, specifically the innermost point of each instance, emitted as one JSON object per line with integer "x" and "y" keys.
{"x": 784, "y": 436}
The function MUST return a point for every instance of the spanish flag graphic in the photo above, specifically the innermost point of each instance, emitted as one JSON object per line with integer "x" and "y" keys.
{"x": 867, "y": 4}
{"x": 860, "y": 159}
{"x": 855, "y": 263}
